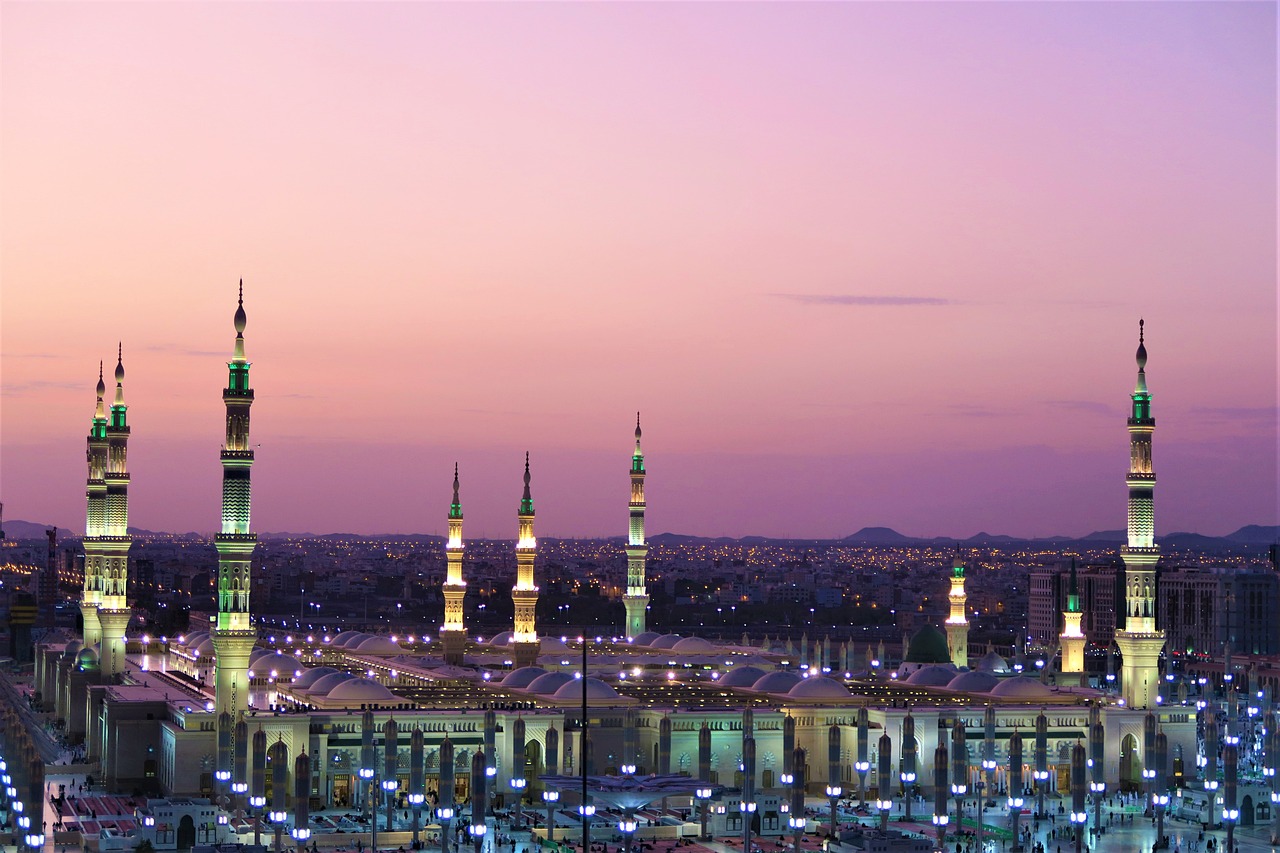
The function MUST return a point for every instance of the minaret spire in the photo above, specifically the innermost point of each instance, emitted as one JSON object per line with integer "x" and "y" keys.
{"x": 1072, "y": 640}
{"x": 636, "y": 598}
{"x": 233, "y": 635}
{"x": 1140, "y": 643}
{"x": 453, "y": 632}
{"x": 958, "y": 621}
{"x": 95, "y": 518}
{"x": 524, "y": 594}
{"x": 113, "y": 608}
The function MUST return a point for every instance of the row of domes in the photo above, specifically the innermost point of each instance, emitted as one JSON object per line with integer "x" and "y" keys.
{"x": 338, "y": 686}
{"x": 556, "y": 685}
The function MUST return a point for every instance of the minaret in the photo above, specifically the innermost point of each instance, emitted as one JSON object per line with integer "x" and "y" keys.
{"x": 233, "y": 636}
{"x": 1140, "y": 643}
{"x": 958, "y": 623}
{"x": 636, "y": 598}
{"x": 113, "y": 608}
{"x": 96, "y": 520}
{"x": 1072, "y": 639}
{"x": 453, "y": 633}
{"x": 524, "y": 595}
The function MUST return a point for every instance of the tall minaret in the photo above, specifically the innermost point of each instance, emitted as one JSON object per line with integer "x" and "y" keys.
{"x": 636, "y": 598}
{"x": 1140, "y": 643}
{"x": 1072, "y": 639}
{"x": 113, "y": 609}
{"x": 524, "y": 594}
{"x": 958, "y": 623}
{"x": 233, "y": 636}
{"x": 453, "y": 633}
{"x": 96, "y": 520}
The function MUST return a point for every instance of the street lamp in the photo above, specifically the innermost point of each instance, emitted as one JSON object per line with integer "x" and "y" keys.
{"x": 627, "y": 826}
{"x": 703, "y": 796}
{"x": 444, "y": 814}
{"x": 833, "y": 795}
{"x": 549, "y": 798}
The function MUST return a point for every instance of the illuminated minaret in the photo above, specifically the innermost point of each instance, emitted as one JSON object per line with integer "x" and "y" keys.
{"x": 1140, "y": 643}
{"x": 96, "y": 519}
{"x": 1072, "y": 638}
{"x": 233, "y": 636}
{"x": 113, "y": 607}
{"x": 636, "y": 598}
{"x": 524, "y": 595}
{"x": 453, "y": 632}
{"x": 958, "y": 623}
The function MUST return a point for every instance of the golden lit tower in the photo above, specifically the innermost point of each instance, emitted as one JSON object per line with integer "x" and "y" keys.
{"x": 1072, "y": 638}
{"x": 113, "y": 607}
{"x": 1140, "y": 643}
{"x": 636, "y": 598}
{"x": 96, "y": 519}
{"x": 524, "y": 595}
{"x": 233, "y": 636}
{"x": 453, "y": 633}
{"x": 958, "y": 623}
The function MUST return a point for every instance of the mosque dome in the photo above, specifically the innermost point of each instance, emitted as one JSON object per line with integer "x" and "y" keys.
{"x": 501, "y": 639}
{"x": 343, "y": 637}
{"x": 778, "y": 681}
{"x": 361, "y": 690}
{"x": 190, "y": 641}
{"x": 666, "y": 641}
{"x": 552, "y": 646}
{"x": 258, "y": 654}
{"x": 548, "y": 683}
{"x": 321, "y": 686}
{"x": 928, "y": 645}
{"x": 594, "y": 688}
{"x": 819, "y": 687}
{"x": 204, "y": 648}
{"x": 993, "y": 662}
{"x": 521, "y": 678}
{"x": 311, "y": 675}
{"x": 741, "y": 676}
{"x": 353, "y": 642}
{"x": 693, "y": 645}
{"x": 378, "y": 646}
{"x": 275, "y": 665}
{"x": 973, "y": 681}
{"x": 645, "y": 638}
{"x": 933, "y": 675}
{"x": 87, "y": 659}
{"x": 72, "y": 649}
{"x": 1021, "y": 687}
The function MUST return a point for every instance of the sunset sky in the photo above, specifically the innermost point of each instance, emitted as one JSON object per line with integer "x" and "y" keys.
{"x": 857, "y": 264}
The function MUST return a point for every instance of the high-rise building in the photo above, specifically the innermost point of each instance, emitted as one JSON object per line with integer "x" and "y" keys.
{"x": 524, "y": 595}
{"x": 636, "y": 598}
{"x": 453, "y": 632}
{"x": 113, "y": 608}
{"x": 1205, "y": 610}
{"x": 957, "y": 623}
{"x": 1140, "y": 641}
{"x": 233, "y": 636}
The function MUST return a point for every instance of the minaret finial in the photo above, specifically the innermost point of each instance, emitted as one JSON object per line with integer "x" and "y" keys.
{"x": 526, "y": 473}
{"x": 1142, "y": 347}
{"x": 637, "y": 426}
{"x": 119, "y": 362}
{"x": 102, "y": 386}
{"x": 455, "y": 483}
{"x": 241, "y": 298}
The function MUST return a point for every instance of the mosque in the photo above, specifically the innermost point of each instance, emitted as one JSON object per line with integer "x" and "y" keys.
{"x": 175, "y": 718}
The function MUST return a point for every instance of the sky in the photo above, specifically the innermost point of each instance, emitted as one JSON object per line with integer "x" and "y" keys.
{"x": 857, "y": 264}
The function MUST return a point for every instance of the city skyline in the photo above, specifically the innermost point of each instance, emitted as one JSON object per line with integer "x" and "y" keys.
{"x": 856, "y": 265}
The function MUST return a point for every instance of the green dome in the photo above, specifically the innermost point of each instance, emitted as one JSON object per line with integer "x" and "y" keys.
{"x": 87, "y": 660}
{"x": 928, "y": 645}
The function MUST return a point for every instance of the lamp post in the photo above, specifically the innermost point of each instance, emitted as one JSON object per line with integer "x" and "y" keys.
{"x": 1160, "y": 799}
{"x": 239, "y": 761}
{"x": 1230, "y": 805}
{"x": 797, "y": 819}
{"x": 549, "y": 799}
{"x": 479, "y": 798}
{"x": 223, "y": 773}
{"x": 833, "y": 773}
{"x": 444, "y": 796}
{"x": 390, "y": 766}
{"x": 703, "y": 796}
{"x": 365, "y": 773}
{"x": 1015, "y": 801}
{"x": 1148, "y": 763}
{"x": 258, "y": 786}
{"x": 279, "y": 792}
{"x": 884, "y": 783}
{"x": 940, "y": 793}
{"x": 1078, "y": 814}
{"x": 704, "y": 769}
{"x": 1210, "y": 760}
{"x": 417, "y": 779}
{"x": 627, "y": 826}
{"x": 1097, "y": 762}
{"x": 862, "y": 765}
{"x": 908, "y": 773}
{"x": 1041, "y": 773}
{"x": 748, "y": 804}
{"x": 959, "y": 769}
{"x": 1271, "y": 741}
{"x": 518, "y": 782}
{"x": 301, "y": 800}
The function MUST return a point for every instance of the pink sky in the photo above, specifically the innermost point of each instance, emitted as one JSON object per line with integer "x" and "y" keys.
{"x": 468, "y": 230}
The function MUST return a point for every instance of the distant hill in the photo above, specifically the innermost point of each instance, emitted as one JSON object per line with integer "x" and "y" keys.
{"x": 879, "y": 536}
{"x": 1256, "y": 534}
{"x": 17, "y": 529}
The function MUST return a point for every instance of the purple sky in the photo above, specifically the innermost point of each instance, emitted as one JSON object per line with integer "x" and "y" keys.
{"x": 858, "y": 264}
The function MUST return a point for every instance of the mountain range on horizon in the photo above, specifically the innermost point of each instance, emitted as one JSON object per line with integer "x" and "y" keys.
{"x": 1248, "y": 536}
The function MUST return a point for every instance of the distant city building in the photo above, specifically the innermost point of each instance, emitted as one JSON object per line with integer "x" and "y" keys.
{"x": 1202, "y": 610}
{"x": 1100, "y": 588}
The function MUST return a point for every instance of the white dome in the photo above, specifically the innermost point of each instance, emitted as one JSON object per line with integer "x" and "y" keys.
{"x": 933, "y": 675}
{"x": 191, "y": 640}
{"x": 741, "y": 676}
{"x": 205, "y": 648}
{"x": 666, "y": 641}
{"x": 594, "y": 687}
{"x": 501, "y": 639}
{"x": 276, "y": 666}
{"x": 819, "y": 688}
{"x": 259, "y": 653}
{"x": 548, "y": 683}
{"x": 552, "y": 646}
{"x": 325, "y": 683}
{"x": 378, "y": 646}
{"x": 973, "y": 681}
{"x": 778, "y": 681}
{"x": 353, "y": 642}
{"x": 993, "y": 662}
{"x": 693, "y": 645}
{"x": 359, "y": 690}
{"x": 344, "y": 636}
{"x": 72, "y": 649}
{"x": 1021, "y": 687}
{"x": 521, "y": 678}
{"x": 646, "y": 638}
{"x": 311, "y": 676}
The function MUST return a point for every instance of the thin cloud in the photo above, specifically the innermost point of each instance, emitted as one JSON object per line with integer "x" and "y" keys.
{"x": 175, "y": 349}
{"x": 855, "y": 299}
{"x": 1237, "y": 413}
{"x": 1090, "y": 406}
{"x": 22, "y": 389}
